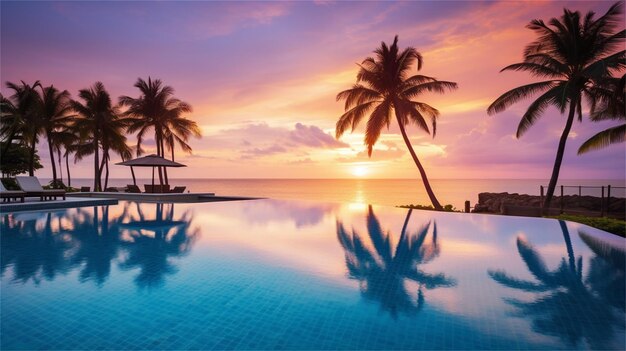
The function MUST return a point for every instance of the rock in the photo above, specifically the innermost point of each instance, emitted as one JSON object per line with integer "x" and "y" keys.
{"x": 494, "y": 202}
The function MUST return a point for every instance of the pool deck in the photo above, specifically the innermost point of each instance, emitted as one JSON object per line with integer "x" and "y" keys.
{"x": 167, "y": 197}
{"x": 100, "y": 199}
{"x": 34, "y": 204}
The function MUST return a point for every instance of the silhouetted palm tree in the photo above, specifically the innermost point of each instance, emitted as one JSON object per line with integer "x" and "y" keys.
{"x": 383, "y": 89}
{"x": 157, "y": 108}
{"x": 21, "y": 118}
{"x": 563, "y": 294}
{"x": 179, "y": 129}
{"x": 383, "y": 273}
{"x": 608, "y": 105}
{"x": 575, "y": 54}
{"x": 65, "y": 143}
{"x": 100, "y": 126}
{"x": 55, "y": 114}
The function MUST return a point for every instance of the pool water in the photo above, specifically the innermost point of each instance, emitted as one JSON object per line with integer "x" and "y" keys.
{"x": 270, "y": 274}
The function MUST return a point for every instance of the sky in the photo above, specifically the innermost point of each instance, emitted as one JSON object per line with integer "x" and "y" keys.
{"x": 262, "y": 78}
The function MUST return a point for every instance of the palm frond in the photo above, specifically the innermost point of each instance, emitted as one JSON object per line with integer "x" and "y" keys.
{"x": 610, "y": 136}
{"x": 535, "y": 69}
{"x": 353, "y": 117}
{"x": 514, "y": 95}
{"x": 379, "y": 118}
{"x": 438, "y": 86}
{"x": 554, "y": 96}
{"x": 358, "y": 95}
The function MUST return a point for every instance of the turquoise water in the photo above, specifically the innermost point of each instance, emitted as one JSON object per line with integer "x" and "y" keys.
{"x": 278, "y": 274}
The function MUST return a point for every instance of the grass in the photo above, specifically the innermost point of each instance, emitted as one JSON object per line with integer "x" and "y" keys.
{"x": 611, "y": 225}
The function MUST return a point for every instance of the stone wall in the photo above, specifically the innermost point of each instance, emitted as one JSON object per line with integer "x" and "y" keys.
{"x": 492, "y": 202}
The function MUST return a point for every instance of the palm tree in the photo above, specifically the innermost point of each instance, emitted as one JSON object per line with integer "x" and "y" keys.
{"x": 100, "y": 125}
{"x": 55, "y": 114}
{"x": 20, "y": 119}
{"x": 383, "y": 87}
{"x": 382, "y": 272}
{"x": 574, "y": 54}
{"x": 157, "y": 109}
{"x": 65, "y": 142}
{"x": 609, "y": 106}
{"x": 11, "y": 124}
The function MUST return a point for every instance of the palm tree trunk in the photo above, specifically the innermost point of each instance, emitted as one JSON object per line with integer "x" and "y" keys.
{"x": 67, "y": 164}
{"x": 159, "y": 153}
{"x": 96, "y": 163}
{"x": 31, "y": 161}
{"x": 429, "y": 190}
{"x": 106, "y": 177}
{"x": 167, "y": 181}
{"x": 60, "y": 164}
{"x": 104, "y": 156}
{"x": 559, "y": 157}
{"x": 54, "y": 166}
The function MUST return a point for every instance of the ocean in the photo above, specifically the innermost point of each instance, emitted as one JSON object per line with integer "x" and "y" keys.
{"x": 391, "y": 192}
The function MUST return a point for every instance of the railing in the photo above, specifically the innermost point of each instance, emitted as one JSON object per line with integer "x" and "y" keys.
{"x": 604, "y": 201}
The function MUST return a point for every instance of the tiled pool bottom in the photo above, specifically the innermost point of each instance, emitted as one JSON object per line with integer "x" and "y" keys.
{"x": 295, "y": 275}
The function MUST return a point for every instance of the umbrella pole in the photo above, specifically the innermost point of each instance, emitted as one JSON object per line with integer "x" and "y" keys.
{"x": 152, "y": 178}
{"x": 132, "y": 171}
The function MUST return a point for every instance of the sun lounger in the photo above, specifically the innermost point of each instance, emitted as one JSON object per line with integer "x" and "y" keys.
{"x": 32, "y": 187}
{"x": 8, "y": 195}
{"x": 157, "y": 188}
{"x": 178, "y": 189}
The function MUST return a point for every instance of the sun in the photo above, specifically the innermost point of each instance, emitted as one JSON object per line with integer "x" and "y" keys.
{"x": 360, "y": 171}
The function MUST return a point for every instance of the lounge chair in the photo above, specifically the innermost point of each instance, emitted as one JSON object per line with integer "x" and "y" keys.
{"x": 32, "y": 187}
{"x": 111, "y": 189}
{"x": 178, "y": 189}
{"x": 8, "y": 195}
{"x": 130, "y": 188}
{"x": 85, "y": 189}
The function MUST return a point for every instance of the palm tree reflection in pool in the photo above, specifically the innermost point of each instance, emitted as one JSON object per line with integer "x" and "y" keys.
{"x": 567, "y": 305}
{"x": 41, "y": 245}
{"x": 165, "y": 238}
{"x": 98, "y": 242}
{"x": 383, "y": 274}
{"x": 30, "y": 244}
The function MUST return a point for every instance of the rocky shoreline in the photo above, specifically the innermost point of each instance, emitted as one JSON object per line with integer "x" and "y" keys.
{"x": 499, "y": 202}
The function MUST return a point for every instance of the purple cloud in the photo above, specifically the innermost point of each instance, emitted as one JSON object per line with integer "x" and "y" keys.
{"x": 257, "y": 152}
{"x": 313, "y": 136}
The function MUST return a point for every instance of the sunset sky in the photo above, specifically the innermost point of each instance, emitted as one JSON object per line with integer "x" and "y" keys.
{"x": 262, "y": 78}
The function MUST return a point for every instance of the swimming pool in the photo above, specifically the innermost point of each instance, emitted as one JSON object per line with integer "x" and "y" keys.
{"x": 270, "y": 274}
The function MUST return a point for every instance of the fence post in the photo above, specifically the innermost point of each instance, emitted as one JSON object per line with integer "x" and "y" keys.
{"x": 467, "y": 206}
{"x": 602, "y": 203}
{"x": 561, "y": 199}
{"x": 608, "y": 199}
{"x": 541, "y": 199}
{"x": 580, "y": 190}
